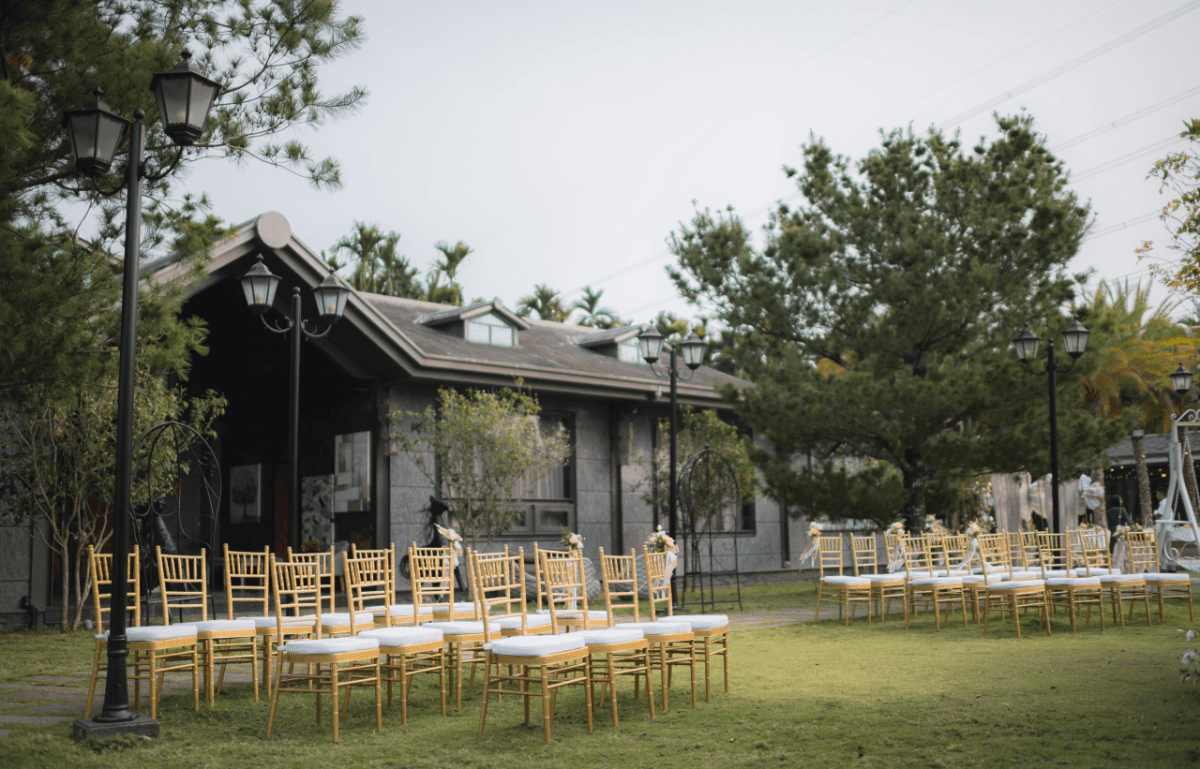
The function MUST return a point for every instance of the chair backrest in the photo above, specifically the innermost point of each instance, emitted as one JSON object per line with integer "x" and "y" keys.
{"x": 830, "y": 554}
{"x": 182, "y": 582}
{"x": 431, "y": 574}
{"x": 1143, "y": 550}
{"x": 499, "y": 586}
{"x": 866, "y": 559}
{"x": 100, "y": 569}
{"x": 1092, "y": 545}
{"x": 892, "y": 543}
{"x": 916, "y": 554}
{"x": 957, "y": 547}
{"x": 324, "y": 561}
{"x": 996, "y": 557}
{"x": 1054, "y": 551}
{"x": 296, "y": 587}
{"x": 388, "y": 552}
{"x": 247, "y": 580}
{"x": 619, "y": 575}
{"x": 658, "y": 581}
{"x": 566, "y": 590}
{"x": 368, "y": 583}
{"x": 1031, "y": 557}
{"x": 539, "y": 583}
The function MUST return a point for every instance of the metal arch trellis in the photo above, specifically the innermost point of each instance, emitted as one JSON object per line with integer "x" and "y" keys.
{"x": 700, "y": 474}
{"x": 1169, "y": 533}
{"x": 194, "y": 460}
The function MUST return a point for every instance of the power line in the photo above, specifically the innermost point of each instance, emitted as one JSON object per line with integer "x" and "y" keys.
{"x": 1123, "y": 225}
{"x": 1127, "y": 119}
{"x": 1078, "y": 61}
{"x": 1149, "y": 149}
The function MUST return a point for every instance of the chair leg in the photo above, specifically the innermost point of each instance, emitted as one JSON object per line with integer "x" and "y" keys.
{"x": 333, "y": 687}
{"x": 547, "y": 716}
{"x": 87, "y": 707}
{"x": 275, "y": 698}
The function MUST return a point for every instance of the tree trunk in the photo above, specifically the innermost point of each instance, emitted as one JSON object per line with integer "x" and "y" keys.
{"x": 64, "y": 559}
{"x": 914, "y": 484}
{"x": 1145, "y": 504}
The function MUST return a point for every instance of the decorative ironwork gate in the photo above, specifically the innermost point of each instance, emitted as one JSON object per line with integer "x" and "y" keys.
{"x": 708, "y": 489}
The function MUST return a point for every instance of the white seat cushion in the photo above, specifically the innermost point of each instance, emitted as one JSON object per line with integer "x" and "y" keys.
{"x": 145, "y": 633}
{"x": 1073, "y": 582}
{"x": 1022, "y": 574}
{"x": 972, "y": 579}
{"x": 896, "y": 577}
{"x": 844, "y": 580}
{"x": 444, "y": 608}
{"x": 331, "y": 645}
{"x": 537, "y": 645}
{"x": 700, "y": 621}
{"x": 658, "y": 628}
{"x": 925, "y": 574}
{"x": 935, "y": 581}
{"x": 300, "y": 622}
{"x": 1159, "y": 578}
{"x": 223, "y": 625}
{"x": 1095, "y": 571}
{"x": 342, "y": 619}
{"x": 612, "y": 635}
{"x": 514, "y": 623}
{"x": 1056, "y": 573}
{"x": 600, "y": 615}
{"x": 1016, "y": 584}
{"x": 461, "y": 627}
{"x": 1112, "y": 579}
{"x": 406, "y": 610}
{"x": 402, "y": 636}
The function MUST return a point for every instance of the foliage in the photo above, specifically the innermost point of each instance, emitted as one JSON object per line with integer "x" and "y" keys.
{"x": 1135, "y": 354}
{"x": 446, "y": 268}
{"x": 876, "y": 318}
{"x": 1179, "y": 173}
{"x": 697, "y": 430}
{"x": 377, "y": 267}
{"x": 545, "y": 303}
{"x": 592, "y": 314}
{"x": 570, "y": 540}
{"x": 476, "y": 448}
{"x": 57, "y": 291}
{"x": 60, "y": 459}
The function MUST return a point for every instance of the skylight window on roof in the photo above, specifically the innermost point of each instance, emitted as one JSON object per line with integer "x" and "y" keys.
{"x": 489, "y": 329}
{"x": 627, "y": 351}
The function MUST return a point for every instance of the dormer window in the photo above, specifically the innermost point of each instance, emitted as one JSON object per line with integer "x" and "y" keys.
{"x": 627, "y": 351}
{"x": 490, "y": 329}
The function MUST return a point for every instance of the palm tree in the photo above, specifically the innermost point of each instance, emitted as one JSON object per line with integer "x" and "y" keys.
{"x": 361, "y": 244}
{"x": 545, "y": 302}
{"x": 447, "y": 267}
{"x": 396, "y": 276}
{"x": 594, "y": 315}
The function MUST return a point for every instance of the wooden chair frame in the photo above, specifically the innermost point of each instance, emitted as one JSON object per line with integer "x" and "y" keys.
{"x": 885, "y": 586}
{"x": 1015, "y": 595}
{"x": 1143, "y": 555}
{"x": 1092, "y": 544}
{"x": 302, "y": 584}
{"x": 846, "y": 590}
{"x": 244, "y": 570}
{"x": 619, "y": 580}
{"x": 936, "y": 590}
{"x": 678, "y": 650}
{"x": 324, "y": 561}
{"x": 1072, "y": 593}
{"x": 620, "y": 571}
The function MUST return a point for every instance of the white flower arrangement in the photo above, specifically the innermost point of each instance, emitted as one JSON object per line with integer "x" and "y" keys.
{"x": 814, "y": 531}
{"x": 974, "y": 529}
{"x": 896, "y": 529}
{"x": 660, "y": 542}
{"x": 1192, "y": 662}
{"x": 453, "y": 537}
{"x": 570, "y": 540}
{"x": 1121, "y": 532}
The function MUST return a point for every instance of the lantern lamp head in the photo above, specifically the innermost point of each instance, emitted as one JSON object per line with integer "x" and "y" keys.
{"x": 692, "y": 351}
{"x": 1181, "y": 380}
{"x": 184, "y": 97}
{"x": 1075, "y": 338}
{"x": 95, "y": 132}
{"x": 259, "y": 286}
{"x": 650, "y": 343}
{"x": 1026, "y": 344}
{"x": 331, "y": 298}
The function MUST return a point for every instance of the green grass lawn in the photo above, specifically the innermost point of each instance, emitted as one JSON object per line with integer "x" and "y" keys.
{"x": 814, "y": 694}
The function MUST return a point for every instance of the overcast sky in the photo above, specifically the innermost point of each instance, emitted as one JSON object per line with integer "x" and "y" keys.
{"x": 564, "y": 141}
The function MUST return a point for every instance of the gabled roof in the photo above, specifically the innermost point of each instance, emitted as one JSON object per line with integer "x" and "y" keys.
{"x": 392, "y": 339}
{"x": 473, "y": 310}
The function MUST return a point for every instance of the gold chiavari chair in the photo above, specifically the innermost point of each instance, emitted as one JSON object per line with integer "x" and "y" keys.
{"x": 539, "y": 665}
{"x": 1143, "y": 554}
{"x": 431, "y": 572}
{"x": 924, "y": 585}
{"x": 154, "y": 651}
{"x": 619, "y": 579}
{"x": 391, "y": 614}
{"x": 672, "y": 639}
{"x": 885, "y": 586}
{"x": 615, "y": 652}
{"x": 1092, "y": 545}
{"x": 1000, "y": 590}
{"x": 405, "y": 652}
{"x": 248, "y": 581}
{"x": 1069, "y": 592}
{"x": 846, "y": 590}
{"x": 183, "y": 584}
{"x": 329, "y": 665}
{"x": 438, "y": 597}
{"x": 324, "y": 561}
{"x": 502, "y": 600}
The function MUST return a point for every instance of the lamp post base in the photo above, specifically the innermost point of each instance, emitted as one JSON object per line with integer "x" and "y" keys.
{"x": 138, "y": 726}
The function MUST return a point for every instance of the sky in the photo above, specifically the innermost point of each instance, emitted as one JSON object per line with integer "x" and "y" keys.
{"x": 564, "y": 142}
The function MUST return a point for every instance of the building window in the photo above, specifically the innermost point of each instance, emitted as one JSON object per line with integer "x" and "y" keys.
{"x": 489, "y": 329}
{"x": 549, "y": 499}
{"x": 627, "y": 352}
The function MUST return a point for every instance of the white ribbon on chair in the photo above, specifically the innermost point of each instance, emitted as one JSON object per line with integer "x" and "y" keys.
{"x": 966, "y": 564}
{"x": 1121, "y": 558}
{"x": 896, "y": 558}
{"x": 808, "y": 554}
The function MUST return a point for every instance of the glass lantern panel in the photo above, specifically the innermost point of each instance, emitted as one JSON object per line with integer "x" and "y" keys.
{"x": 174, "y": 101}
{"x": 108, "y": 136}
{"x": 202, "y": 98}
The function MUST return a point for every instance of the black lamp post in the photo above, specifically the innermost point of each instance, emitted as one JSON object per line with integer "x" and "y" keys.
{"x": 259, "y": 286}
{"x": 184, "y": 98}
{"x": 650, "y": 344}
{"x": 1075, "y": 341}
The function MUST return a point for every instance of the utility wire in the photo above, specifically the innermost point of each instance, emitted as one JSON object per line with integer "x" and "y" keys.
{"x": 1123, "y": 225}
{"x": 1078, "y": 61}
{"x": 1127, "y": 119}
{"x": 1149, "y": 149}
